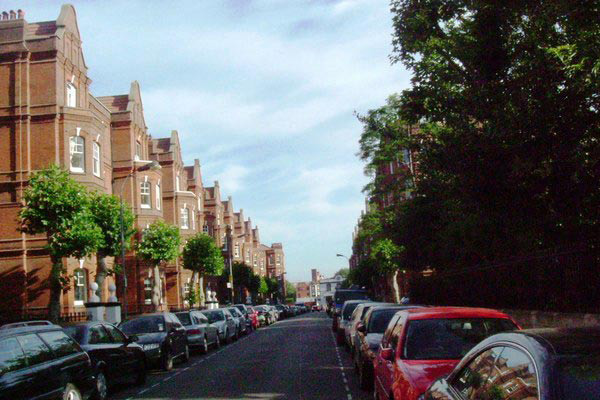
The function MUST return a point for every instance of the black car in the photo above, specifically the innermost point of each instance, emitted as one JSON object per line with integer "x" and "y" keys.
{"x": 543, "y": 364}
{"x": 244, "y": 310}
{"x": 43, "y": 362}
{"x": 115, "y": 356}
{"x": 161, "y": 335}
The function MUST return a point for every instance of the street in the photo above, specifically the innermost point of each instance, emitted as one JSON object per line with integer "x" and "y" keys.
{"x": 292, "y": 359}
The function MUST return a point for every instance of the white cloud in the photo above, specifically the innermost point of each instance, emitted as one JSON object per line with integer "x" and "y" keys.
{"x": 232, "y": 179}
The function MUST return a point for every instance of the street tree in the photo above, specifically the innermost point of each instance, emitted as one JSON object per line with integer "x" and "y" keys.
{"x": 263, "y": 288}
{"x": 159, "y": 245}
{"x": 386, "y": 256}
{"x": 290, "y": 292}
{"x": 58, "y": 207}
{"x": 202, "y": 256}
{"x": 343, "y": 272}
{"x": 272, "y": 287}
{"x": 243, "y": 277}
{"x": 106, "y": 211}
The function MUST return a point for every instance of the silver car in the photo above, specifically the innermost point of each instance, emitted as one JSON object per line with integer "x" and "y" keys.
{"x": 200, "y": 332}
{"x": 222, "y": 319}
{"x": 240, "y": 320}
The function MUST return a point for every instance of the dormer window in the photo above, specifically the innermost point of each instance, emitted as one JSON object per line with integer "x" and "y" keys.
{"x": 77, "y": 153}
{"x": 71, "y": 95}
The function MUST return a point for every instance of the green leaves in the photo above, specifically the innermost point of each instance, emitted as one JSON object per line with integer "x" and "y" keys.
{"x": 106, "y": 212}
{"x": 201, "y": 254}
{"x": 159, "y": 243}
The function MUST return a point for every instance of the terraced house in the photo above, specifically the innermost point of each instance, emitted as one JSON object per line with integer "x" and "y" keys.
{"x": 49, "y": 116}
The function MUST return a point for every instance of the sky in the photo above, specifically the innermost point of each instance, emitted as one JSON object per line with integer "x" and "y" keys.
{"x": 263, "y": 93}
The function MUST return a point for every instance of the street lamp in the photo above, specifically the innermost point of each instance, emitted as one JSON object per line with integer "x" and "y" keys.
{"x": 153, "y": 166}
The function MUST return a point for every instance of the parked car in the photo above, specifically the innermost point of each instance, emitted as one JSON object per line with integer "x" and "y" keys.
{"x": 240, "y": 321}
{"x": 422, "y": 344}
{"x": 357, "y": 316}
{"x": 316, "y": 308}
{"x": 369, "y": 333}
{"x": 43, "y": 362}
{"x": 344, "y": 318}
{"x": 244, "y": 310}
{"x": 266, "y": 313}
{"x": 274, "y": 312}
{"x": 253, "y": 315}
{"x": 200, "y": 333}
{"x": 223, "y": 321}
{"x": 115, "y": 357}
{"x": 161, "y": 335}
{"x": 544, "y": 364}
{"x": 282, "y": 311}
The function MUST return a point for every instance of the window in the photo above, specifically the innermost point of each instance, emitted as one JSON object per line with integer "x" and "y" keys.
{"x": 116, "y": 334}
{"x": 80, "y": 278}
{"x": 35, "y": 350}
{"x": 236, "y": 251}
{"x": 199, "y": 202}
{"x": 96, "y": 159}
{"x": 205, "y": 229}
{"x": 177, "y": 185}
{"x": 98, "y": 335}
{"x": 193, "y": 219}
{"x": 71, "y": 95}
{"x": 60, "y": 343}
{"x": 77, "y": 153}
{"x": 145, "y": 194}
{"x": 248, "y": 256}
{"x": 278, "y": 260}
{"x": 147, "y": 291}
{"x": 11, "y": 356}
{"x": 158, "y": 199}
{"x": 185, "y": 218}
{"x": 138, "y": 151}
{"x": 328, "y": 289}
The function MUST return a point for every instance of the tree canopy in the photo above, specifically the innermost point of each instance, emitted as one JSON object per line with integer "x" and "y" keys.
{"x": 159, "y": 243}
{"x": 201, "y": 255}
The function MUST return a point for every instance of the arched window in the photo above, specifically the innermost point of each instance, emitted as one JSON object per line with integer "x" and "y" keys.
{"x": 77, "y": 153}
{"x": 145, "y": 195}
{"x": 80, "y": 283}
{"x": 96, "y": 158}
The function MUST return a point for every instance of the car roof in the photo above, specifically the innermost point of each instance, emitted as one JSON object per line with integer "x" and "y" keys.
{"x": 565, "y": 341}
{"x": 453, "y": 312}
{"x": 356, "y": 301}
{"x": 28, "y": 329}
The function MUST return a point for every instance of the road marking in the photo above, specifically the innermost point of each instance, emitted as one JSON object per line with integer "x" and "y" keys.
{"x": 341, "y": 365}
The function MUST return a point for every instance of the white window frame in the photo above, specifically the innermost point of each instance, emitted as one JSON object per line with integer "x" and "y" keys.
{"x": 77, "y": 146}
{"x": 236, "y": 251}
{"x": 80, "y": 280}
{"x": 71, "y": 95}
{"x": 138, "y": 150}
{"x": 148, "y": 289}
{"x": 185, "y": 218}
{"x": 145, "y": 192}
{"x": 158, "y": 198}
{"x": 96, "y": 159}
{"x": 177, "y": 184}
{"x": 193, "y": 218}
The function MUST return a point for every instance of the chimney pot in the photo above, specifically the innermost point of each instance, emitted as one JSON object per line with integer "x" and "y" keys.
{"x": 20, "y": 14}
{"x": 13, "y": 14}
{"x": 4, "y": 15}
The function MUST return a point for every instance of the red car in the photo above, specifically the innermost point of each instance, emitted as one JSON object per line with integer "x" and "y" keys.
{"x": 253, "y": 317}
{"x": 422, "y": 344}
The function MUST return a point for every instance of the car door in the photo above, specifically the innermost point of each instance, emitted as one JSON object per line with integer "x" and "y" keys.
{"x": 180, "y": 335}
{"x": 210, "y": 330}
{"x": 46, "y": 382}
{"x": 128, "y": 355}
{"x": 16, "y": 378}
{"x": 383, "y": 368}
{"x": 103, "y": 352}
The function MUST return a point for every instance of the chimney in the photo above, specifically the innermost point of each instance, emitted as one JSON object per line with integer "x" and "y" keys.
{"x": 20, "y": 14}
{"x": 13, "y": 14}
{"x": 4, "y": 15}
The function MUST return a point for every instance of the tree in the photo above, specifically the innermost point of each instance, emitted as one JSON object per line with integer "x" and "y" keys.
{"x": 243, "y": 277}
{"x": 290, "y": 292}
{"x": 106, "y": 211}
{"x": 59, "y": 207}
{"x": 263, "y": 288}
{"x": 202, "y": 256}
{"x": 272, "y": 286}
{"x": 386, "y": 256}
{"x": 159, "y": 244}
{"x": 343, "y": 272}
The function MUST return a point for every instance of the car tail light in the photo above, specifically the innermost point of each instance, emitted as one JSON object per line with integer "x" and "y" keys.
{"x": 193, "y": 332}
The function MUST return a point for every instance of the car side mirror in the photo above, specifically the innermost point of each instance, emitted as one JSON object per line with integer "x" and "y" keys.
{"x": 387, "y": 353}
{"x": 132, "y": 338}
{"x": 361, "y": 327}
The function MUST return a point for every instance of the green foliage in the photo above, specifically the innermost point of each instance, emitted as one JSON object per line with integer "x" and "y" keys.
{"x": 192, "y": 297}
{"x": 263, "y": 288}
{"x": 159, "y": 243}
{"x": 272, "y": 285}
{"x": 59, "y": 207}
{"x": 385, "y": 254}
{"x": 290, "y": 292}
{"x": 201, "y": 254}
{"x": 343, "y": 272}
{"x": 106, "y": 211}
{"x": 254, "y": 284}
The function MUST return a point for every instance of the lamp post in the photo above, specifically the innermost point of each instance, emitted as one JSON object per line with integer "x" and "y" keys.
{"x": 230, "y": 260}
{"x": 341, "y": 255}
{"x": 152, "y": 165}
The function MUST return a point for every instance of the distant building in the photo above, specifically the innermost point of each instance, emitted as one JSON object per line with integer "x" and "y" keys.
{"x": 302, "y": 290}
{"x": 327, "y": 288}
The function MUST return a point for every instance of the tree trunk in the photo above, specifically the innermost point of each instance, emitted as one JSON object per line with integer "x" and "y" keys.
{"x": 156, "y": 288}
{"x": 394, "y": 285}
{"x": 201, "y": 296}
{"x": 55, "y": 289}
{"x": 101, "y": 272}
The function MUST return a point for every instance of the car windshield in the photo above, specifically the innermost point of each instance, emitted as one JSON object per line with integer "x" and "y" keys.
{"x": 233, "y": 312}
{"x": 342, "y": 296}
{"x": 448, "y": 339}
{"x": 76, "y": 332}
{"x": 580, "y": 377}
{"x": 348, "y": 309}
{"x": 240, "y": 308}
{"x": 214, "y": 316}
{"x": 380, "y": 319}
{"x": 184, "y": 318}
{"x": 143, "y": 325}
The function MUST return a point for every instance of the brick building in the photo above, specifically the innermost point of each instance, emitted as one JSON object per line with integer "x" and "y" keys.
{"x": 49, "y": 116}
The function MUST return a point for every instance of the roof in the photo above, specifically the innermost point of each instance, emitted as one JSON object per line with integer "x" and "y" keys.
{"x": 28, "y": 329}
{"x": 453, "y": 312}
{"x": 566, "y": 341}
{"x": 114, "y": 103}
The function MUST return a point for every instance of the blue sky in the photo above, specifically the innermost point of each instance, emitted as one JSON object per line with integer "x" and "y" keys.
{"x": 262, "y": 93}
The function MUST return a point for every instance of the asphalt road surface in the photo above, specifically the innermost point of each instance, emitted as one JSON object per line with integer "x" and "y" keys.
{"x": 292, "y": 359}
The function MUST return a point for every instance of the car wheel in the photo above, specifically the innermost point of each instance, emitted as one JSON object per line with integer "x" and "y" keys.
{"x": 101, "y": 389}
{"x": 186, "y": 353}
{"x": 142, "y": 373}
{"x": 167, "y": 361}
{"x": 71, "y": 392}
{"x": 204, "y": 348}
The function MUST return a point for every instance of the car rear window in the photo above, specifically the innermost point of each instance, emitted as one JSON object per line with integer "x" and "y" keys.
{"x": 348, "y": 310}
{"x": 448, "y": 339}
{"x": 214, "y": 316}
{"x": 580, "y": 377}
{"x": 11, "y": 356}
{"x": 184, "y": 318}
{"x": 35, "y": 350}
{"x": 143, "y": 325}
{"x": 380, "y": 319}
